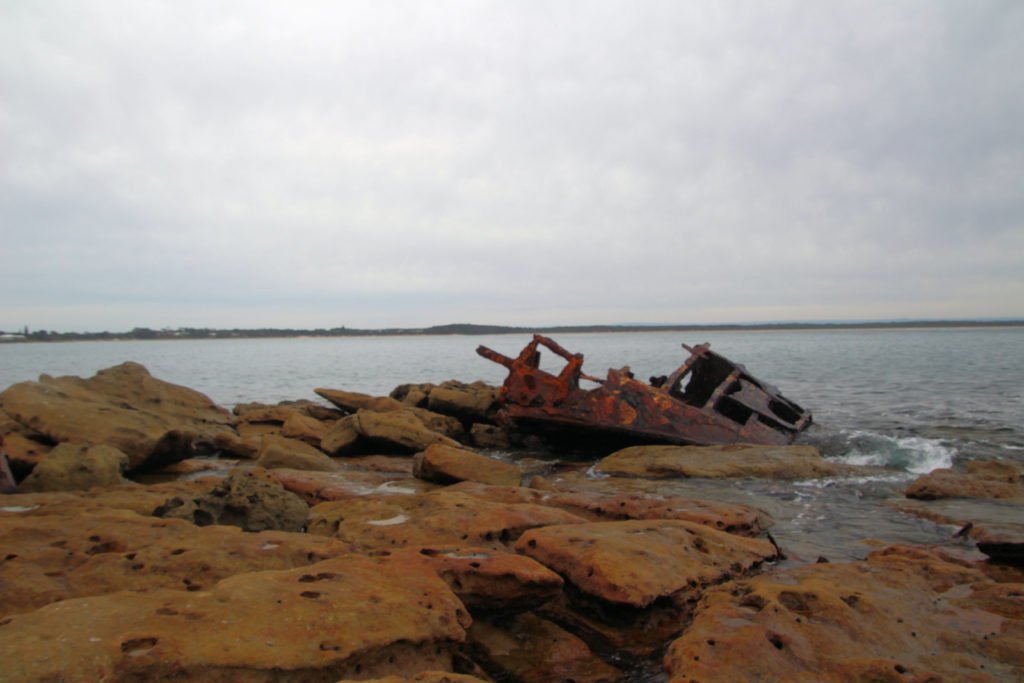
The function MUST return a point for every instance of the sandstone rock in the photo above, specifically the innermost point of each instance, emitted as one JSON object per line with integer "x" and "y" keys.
{"x": 426, "y": 677}
{"x": 23, "y": 452}
{"x": 437, "y": 519}
{"x": 348, "y": 617}
{"x": 596, "y": 505}
{"x": 487, "y": 580}
{"x": 413, "y": 394}
{"x": 352, "y": 401}
{"x": 320, "y": 487}
{"x": 983, "y": 479}
{"x": 307, "y": 429}
{"x": 7, "y": 484}
{"x": 737, "y": 460}
{"x": 901, "y": 615}
{"x": 250, "y": 499}
{"x": 367, "y": 431}
{"x": 276, "y": 451}
{"x": 489, "y": 436}
{"x": 152, "y": 421}
{"x": 470, "y": 403}
{"x": 73, "y": 466}
{"x": 634, "y": 563}
{"x": 233, "y": 444}
{"x": 445, "y": 465}
{"x": 524, "y": 647}
{"x": 75, "y": 547}
{"x": 197, "y": 465}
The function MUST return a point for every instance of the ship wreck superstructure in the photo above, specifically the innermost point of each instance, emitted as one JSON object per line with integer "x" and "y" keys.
{"x": 707, "y": 400}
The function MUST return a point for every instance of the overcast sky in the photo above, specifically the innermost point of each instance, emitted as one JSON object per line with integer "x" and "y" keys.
{"x": 393, "y": 164}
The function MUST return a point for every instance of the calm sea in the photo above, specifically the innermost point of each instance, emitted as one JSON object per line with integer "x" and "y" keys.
{"x": 910, "y": 400}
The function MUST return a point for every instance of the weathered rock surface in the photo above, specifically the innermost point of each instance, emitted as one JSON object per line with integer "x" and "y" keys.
{"x": 437, "y": 519}
{"x": 70, "y": 467}
{"x": 735, "y": 461}
{"x": 611, "y": 506}
{"x": 446, "y": 465}
{"x": 320, "y": 487}
{"x": 75, "y": 547}
{"x": 901, "y": 615}
{"x": 151, "y": 421}
{"x": 250, "y": 499}
{"x": 353, "y": 402}
{"x": 279, "y": 451}
{"x": 634, "y": 563}
{"x": 983, "y": 479}
{"x": 22, "y": 452}
{"x": 487, "y": 580}
{"x": 489, "y": 436}
{"x": 525, "y": 647}
{"x": 348, "y": 617}
{"x": 426, "y": 677}
{"x": 368, "y": 431}
{"x": 476, "y": 402}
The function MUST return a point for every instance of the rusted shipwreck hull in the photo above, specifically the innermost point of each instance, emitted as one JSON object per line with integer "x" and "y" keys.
{"x": 708, "y": 400}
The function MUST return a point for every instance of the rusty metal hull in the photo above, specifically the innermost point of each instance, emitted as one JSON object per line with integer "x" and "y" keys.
{"x": 708, "y": 400}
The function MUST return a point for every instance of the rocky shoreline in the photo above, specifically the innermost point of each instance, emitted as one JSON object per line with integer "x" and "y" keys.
{"x": 149, "y": 534}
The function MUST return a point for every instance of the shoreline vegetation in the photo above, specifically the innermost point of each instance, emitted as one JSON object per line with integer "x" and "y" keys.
{"x": 145, "y": 333}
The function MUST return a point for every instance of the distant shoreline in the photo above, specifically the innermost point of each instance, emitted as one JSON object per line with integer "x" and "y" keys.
{"x": 138, "y": 334}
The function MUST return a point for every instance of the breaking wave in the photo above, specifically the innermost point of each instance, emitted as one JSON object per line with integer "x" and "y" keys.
{"x": 914, "y": 454}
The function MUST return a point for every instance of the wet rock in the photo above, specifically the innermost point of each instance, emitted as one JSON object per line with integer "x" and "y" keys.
{"x": 74, "y": 466}
{"x": 348, "y": 617}
{"x": 996, "y": 525}
{"x": 234, "y": 445}
{"x": 634, "y": 563}
{"x": 983, "y": 479}
{"x": 737, "y": 460}
{"x": 277, "y": 451}
{"x": 74, "y": 547}
{"x": 250, "y": 499}
{"x": 368, "y": 431}
{"x": 439, "y": 518}
{"x": 903, "y": 614}
{"x": 525, "y": 647}
{"x": 151, "y": 421}
{"x": 446, "y": 465}
{"x": 198, "y": 465}
{"x": 320, "y": 487}
{"x": 596, "y": 504}
{"x": 487, "y": 580}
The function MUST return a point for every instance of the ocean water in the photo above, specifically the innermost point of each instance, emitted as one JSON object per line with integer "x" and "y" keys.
{"x": 909, "y": 401}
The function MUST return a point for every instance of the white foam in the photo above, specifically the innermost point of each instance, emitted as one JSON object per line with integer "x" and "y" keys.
{"x": 397, "y": 519}
{"x": 914, "y": 454}
{"x": 18, "y": 508}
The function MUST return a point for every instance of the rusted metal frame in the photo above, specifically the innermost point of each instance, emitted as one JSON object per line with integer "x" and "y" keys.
{"x": 673, "y": 380}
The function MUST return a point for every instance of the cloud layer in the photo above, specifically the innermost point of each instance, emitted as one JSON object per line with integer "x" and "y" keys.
{"x": 316, "y": 164}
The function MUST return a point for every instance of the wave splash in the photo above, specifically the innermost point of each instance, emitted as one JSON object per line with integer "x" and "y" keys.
{"x": 914, "y": 454}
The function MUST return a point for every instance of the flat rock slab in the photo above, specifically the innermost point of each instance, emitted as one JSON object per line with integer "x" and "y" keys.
{"x": 79, "y": 548}
{"x": 603, "y": 501}
{"x": 997, "y": 526}
{"x": 439, "y": 518}
{"x": 349, "y": 617}
{"x": 320, "y": 487}
{"x": 733, "y": 461}
{"x": 983, "y": 479}
{"x": 902, "y": 615}
{"x": 637, "y": 562}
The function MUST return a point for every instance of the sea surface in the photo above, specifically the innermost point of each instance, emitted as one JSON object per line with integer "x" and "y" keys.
{"x": 908, "y": 401}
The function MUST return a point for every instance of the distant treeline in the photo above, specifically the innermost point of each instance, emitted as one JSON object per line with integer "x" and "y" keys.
{"x": 26, "y": 335}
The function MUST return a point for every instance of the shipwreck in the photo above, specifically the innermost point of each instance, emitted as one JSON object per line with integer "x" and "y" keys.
{"x": 707, "y": 400}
